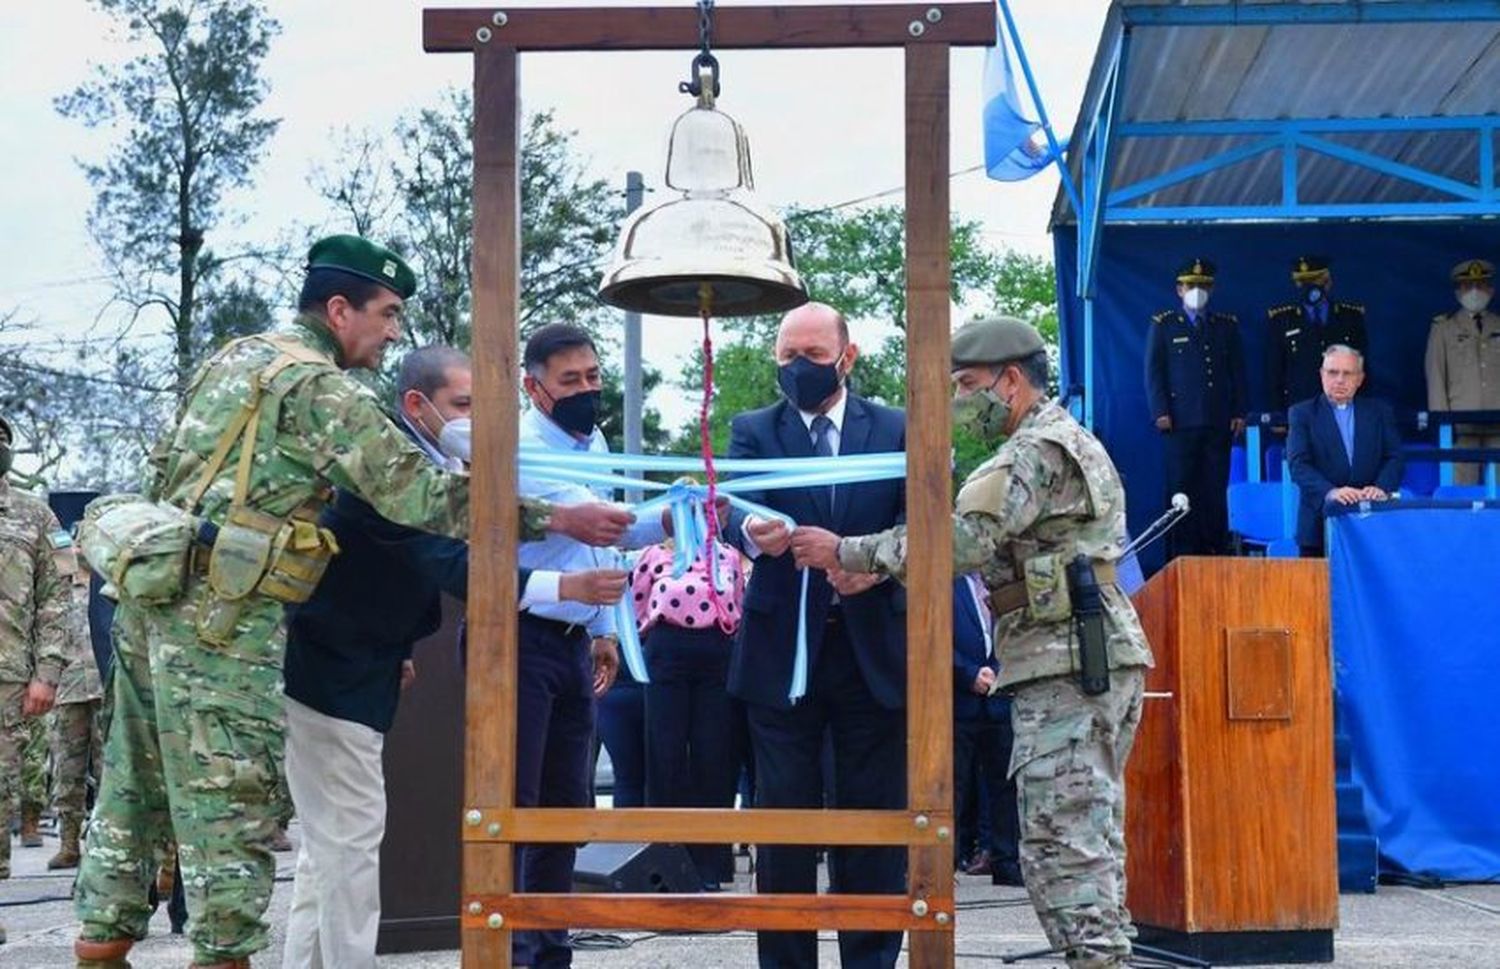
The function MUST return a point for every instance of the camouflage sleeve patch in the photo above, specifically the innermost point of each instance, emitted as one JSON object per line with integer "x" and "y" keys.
{"x": 1034, "y": 473}
{"x": 51, "y": 642}
{"x": 534, "y": 515}
{"x": 978, "y": 542}
{"x": 883, "y": 553}
{"x": 354, "y": 446}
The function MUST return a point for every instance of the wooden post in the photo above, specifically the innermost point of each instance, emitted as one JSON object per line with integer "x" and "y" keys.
{"x": 929, "y": 506}
{"x": 490, "y": 776}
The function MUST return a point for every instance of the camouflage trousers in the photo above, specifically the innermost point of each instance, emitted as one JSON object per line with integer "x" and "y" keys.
{"x": 33, "y": 789}
{"x": 1069, "y": 764}
{"x": 77, "y": 742}
{"x": 193, "y": 752}
{"x": 13, "y": 735}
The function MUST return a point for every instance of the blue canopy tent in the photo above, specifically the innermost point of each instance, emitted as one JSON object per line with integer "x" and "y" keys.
{"x": 1250, "y": 133}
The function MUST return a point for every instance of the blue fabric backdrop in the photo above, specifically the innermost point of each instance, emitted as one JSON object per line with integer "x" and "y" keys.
{"x": 1398, "y": 270}
{"x": 1417, "y": 667}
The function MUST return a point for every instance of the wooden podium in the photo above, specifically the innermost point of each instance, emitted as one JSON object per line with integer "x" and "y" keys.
{"x": 1231, "y": 823}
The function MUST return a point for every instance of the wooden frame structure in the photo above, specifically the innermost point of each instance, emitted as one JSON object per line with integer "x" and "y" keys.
{"x": 491, "y": 822}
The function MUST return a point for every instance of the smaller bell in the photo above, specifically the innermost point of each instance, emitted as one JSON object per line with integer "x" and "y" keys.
{"x": 716, "y": 234}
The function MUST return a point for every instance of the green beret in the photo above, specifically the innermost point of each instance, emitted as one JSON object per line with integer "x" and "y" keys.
{"x": 361, "y": 257}
{"x": 998, "y": 339}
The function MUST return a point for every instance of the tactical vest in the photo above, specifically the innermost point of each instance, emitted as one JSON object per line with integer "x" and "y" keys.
{"x": 1034, "y": 633}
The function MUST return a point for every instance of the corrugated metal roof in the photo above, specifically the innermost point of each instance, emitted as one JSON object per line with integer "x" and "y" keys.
{"x": 1249, "y": 71}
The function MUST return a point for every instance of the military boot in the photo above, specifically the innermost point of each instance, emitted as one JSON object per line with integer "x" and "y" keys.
{"x": 2, "y": 935}
{"x": 31, "y": 828}
{"x": 109, "y": 954}
{"x": 67, "y": 851}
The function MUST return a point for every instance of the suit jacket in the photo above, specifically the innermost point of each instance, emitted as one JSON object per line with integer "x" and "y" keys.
{"x": 760, "y": 667}
{"x": 970, "y": 653}
{"x": 380, "y": 595}
{"x": 1295, "y": 345}
{"x": 1315, "y": 452}
{"x": 1195, "y": 374}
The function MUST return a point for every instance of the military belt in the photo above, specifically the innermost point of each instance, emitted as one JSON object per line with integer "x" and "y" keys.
{"x": 1008, "y": 598}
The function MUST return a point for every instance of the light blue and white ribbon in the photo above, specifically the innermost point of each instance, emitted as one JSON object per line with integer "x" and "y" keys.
{"x": 685, "y": 504}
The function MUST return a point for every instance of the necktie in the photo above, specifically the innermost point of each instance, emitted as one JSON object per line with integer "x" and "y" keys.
{"x": 823, "y": 446}
{"x": 1478, "y": 323}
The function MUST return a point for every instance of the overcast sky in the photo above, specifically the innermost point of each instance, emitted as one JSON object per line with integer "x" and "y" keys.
{"x": 824, "y": 126}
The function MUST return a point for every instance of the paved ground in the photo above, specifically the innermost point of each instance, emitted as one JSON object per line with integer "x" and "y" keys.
{"x": 1394, "y": 929}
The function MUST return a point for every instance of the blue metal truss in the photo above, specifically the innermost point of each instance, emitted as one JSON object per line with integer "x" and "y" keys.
{"x": 1289, "y": 138}
{"x": 1352, "y": 12}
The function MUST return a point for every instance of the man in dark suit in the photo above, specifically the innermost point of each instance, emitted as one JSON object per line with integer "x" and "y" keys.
{"x": 1195, "y": 383}
{"x": 1300, "y": 331}
{"x": 982, "y": 734}
{"x": 1341, "y": 448}
{"x": 856, "y": 635}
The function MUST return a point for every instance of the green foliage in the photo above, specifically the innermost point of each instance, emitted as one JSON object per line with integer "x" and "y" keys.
{"x": 415, "y": 192}
{"x": 854, "y": 261}
{"x": 186, "y": 109}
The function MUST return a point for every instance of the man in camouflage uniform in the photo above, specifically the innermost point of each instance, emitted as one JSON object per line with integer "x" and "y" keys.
{"x": 33, "y": 628}
{"x": 197, "y": 731}
{"x": 1049, "y": 494}
{"x": 76, "y": 734}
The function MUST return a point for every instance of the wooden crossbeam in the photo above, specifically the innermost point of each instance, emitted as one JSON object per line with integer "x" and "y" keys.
{"x": 966, "y": 23}
{"x": 711, "y": 826}
{"x": 706, "y": 912}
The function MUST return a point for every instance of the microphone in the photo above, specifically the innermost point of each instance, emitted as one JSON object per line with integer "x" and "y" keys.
{"x": 1178, "y": 510}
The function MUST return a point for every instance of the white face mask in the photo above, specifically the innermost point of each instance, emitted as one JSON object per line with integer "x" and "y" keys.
{"x": 1474, "y": 300}
{"x": 1195, "y": 299}
{"x": 455, "y": 439}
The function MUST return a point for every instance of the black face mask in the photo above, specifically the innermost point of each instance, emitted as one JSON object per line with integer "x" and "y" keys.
{"x": 1312, "y": 294}
{"x": 807, "y": 384}
{"x": 577, "y": 414}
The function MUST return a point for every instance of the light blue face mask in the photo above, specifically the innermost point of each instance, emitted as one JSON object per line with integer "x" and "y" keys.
{"x": 455, "y": 439}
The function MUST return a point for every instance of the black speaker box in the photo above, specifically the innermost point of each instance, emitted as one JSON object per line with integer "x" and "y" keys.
{"x": 635, "y": 869}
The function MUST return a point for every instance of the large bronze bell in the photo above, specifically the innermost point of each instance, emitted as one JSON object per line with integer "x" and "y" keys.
{"x": 716, "y": 234}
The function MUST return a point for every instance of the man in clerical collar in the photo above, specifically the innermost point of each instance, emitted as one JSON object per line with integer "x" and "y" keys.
{"x": 1342, "y": 449}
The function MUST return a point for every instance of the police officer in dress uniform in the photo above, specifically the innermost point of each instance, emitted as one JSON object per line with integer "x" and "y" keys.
{"x": 1299, "y": 332}
{"x": 1050, "y": 495}
{"x": 1195, "y": 384}
{"x": 1463, "y": 360}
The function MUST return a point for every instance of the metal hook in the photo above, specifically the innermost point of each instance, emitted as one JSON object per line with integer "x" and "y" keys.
{"x": 704, "y": 62}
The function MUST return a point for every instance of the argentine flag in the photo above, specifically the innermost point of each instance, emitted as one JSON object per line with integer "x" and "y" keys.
{"x": 1015, "y": 147}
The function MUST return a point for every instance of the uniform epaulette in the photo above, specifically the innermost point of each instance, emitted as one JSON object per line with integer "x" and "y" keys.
{"x": 1440, "y": 318}
{"x": 1163, "y": 316}
{"x": 1282, "y": 310}
{"x": 1356, "y": 307}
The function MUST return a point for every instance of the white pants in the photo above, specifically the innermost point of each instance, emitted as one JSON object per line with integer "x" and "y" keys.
{"x": 333, "y": 769}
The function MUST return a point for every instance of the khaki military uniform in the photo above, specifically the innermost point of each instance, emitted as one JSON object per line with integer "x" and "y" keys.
{"x": 196, "y": 736}
{"x": 1463, "y": 373}
{"x": 34, "y": 609}
{"x": 1050, "y": 493}
{"x": 76, "y": 729}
